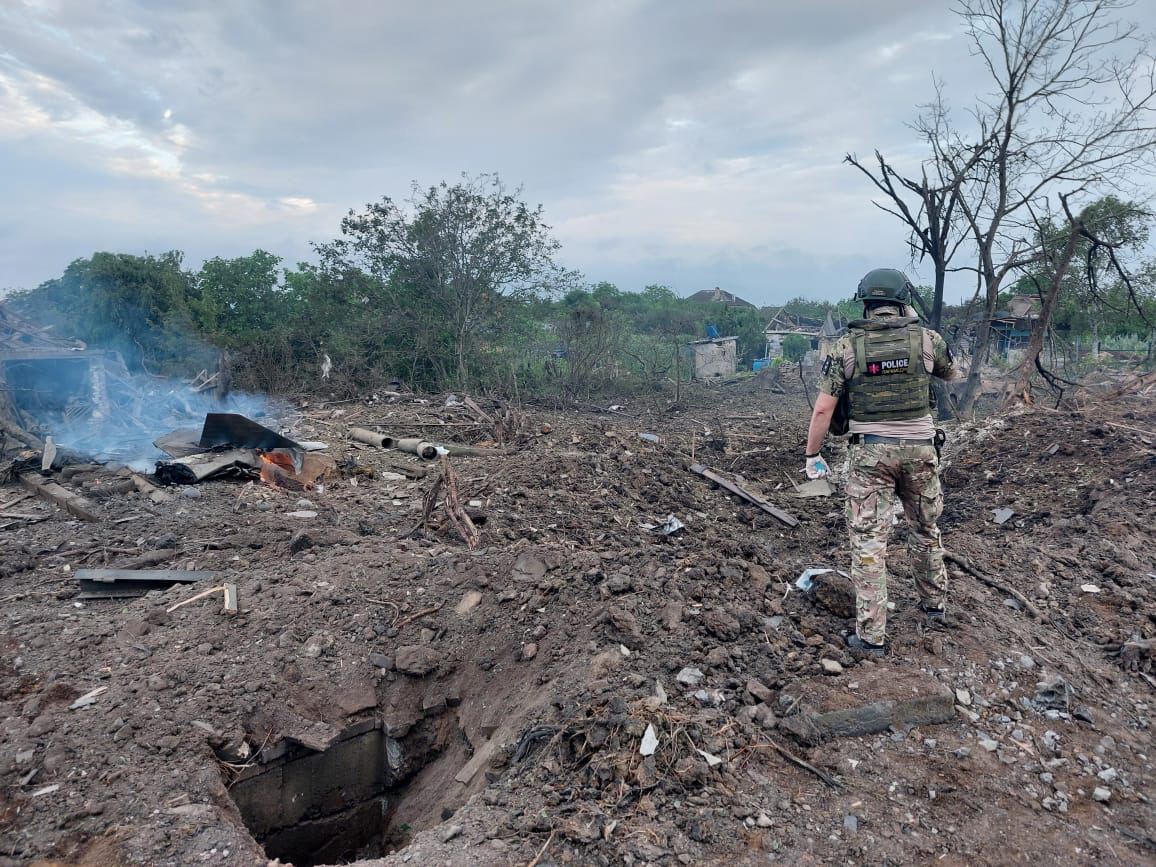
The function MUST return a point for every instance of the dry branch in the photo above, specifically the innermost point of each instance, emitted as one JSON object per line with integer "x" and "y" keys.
{"x": 964, "y": 564}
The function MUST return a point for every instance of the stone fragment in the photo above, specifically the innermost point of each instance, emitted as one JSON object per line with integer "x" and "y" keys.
{"x": 963, "y": 697}
{"x": 449, "y": 832}
{"x": 379, "y": 660}
{"x": 317, "y": 644}
{"x": 624, "y": 627}
{"x": 529, "y": 568}
{"x": 40, "y": 726}
{"x": 468, "y": 603}
{"x": 1102, "y": 794}
{"x": 835, "y": 593}
{"x": 356, "y": 698}
{"x": 758, "y": 691}
{"x": 300, "y": 541}
{"x": 831, "y": 666}
{"x": 529, "y": 651}
{"x": 721, "y": 624}
{"x": 689, "y": 676}
{"x": 416, "y": 659}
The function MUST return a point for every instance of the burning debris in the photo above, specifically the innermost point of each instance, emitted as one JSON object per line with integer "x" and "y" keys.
{"x": 231, "y": 444}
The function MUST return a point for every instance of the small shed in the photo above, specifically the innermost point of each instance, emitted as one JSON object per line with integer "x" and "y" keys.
{"x": 714, "y": 357}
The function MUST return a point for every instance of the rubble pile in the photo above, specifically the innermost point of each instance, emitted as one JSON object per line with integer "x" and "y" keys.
{"x": 563, "y": 643}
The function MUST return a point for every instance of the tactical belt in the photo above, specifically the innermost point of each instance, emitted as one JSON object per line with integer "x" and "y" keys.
{"x": 868, "y": 439}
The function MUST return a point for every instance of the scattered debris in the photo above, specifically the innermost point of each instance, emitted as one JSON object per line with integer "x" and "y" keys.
{"x": 129, "y": 583}
{"x": 228, "y": 592}
{"x": 89, "y": 698}
{"x": 74, "y": 504}
{"x": 649, "y": 741}
{"x": 743, "y": 493}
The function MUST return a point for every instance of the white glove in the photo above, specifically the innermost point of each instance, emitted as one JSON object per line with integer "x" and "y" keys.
{"x": 817, "y": 467}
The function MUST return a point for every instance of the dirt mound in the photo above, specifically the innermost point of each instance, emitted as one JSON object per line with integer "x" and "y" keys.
{"x": 589, "y": 684}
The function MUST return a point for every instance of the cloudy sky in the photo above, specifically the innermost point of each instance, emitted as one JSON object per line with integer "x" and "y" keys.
{"x": 688, "y": 143}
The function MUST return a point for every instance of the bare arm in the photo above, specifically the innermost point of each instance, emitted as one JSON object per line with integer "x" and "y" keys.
{"x": 820, "y": 421}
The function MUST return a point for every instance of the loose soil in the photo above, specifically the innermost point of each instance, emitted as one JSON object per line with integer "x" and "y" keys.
{"x": 508, "y": 689}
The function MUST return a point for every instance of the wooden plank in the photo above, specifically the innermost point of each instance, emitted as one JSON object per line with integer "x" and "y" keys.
{"x": 130, "y": 583}
{"x": 74, "y": 504}
{"x": 744, "y": 494}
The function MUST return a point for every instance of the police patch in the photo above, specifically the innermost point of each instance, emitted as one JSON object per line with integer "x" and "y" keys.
{"x": 887, "y": 366}
{"x": 827, "y": 362}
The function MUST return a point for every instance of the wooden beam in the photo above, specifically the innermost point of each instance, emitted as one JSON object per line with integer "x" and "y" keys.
{"x": 74, "y": 504}
{"x": 744, "y": 494}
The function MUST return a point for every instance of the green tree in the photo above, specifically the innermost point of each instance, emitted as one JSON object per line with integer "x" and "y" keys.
{"x": 456, "y": 251}
{"x": 241, "y": 297}
{"x": 140, "y": 306}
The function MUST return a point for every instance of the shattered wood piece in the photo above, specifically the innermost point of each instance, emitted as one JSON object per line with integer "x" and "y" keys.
{"x": 478, "y": 411}
{"x": 14, "y": 501}
{"x": 743, "y": 493}
{"x": 88, "y": 698}
{"x": 230, "y": 598}
{"x": 77, "y": 469}
{"x": 150, "y": 490}
{"x": 130, "y": 583}
{"x": 18, "y": 433}
{"x": 49, "y": 455}
{"x": 74, "y": 504}
{"x": 202, "y": 595}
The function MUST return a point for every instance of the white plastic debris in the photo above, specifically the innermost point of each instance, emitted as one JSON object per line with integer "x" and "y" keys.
{"x": 806, "y": 581}
{"x": 1089, "y": 588}
{"x": 88, "y": 698}
{"x": 649, "y": 741}
{"x": 711, "y": 760}
{"x": 301, "y": 513}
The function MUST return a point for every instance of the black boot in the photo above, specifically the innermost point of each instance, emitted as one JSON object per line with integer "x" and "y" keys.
{"x": 858, "y": 644}
{"x": 935, "y": 615}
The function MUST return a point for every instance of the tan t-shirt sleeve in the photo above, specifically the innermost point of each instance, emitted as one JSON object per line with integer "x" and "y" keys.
{"x": 833, "y": 374}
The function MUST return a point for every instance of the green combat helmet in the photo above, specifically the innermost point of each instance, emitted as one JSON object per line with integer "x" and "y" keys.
{"x": 885, "y": 284}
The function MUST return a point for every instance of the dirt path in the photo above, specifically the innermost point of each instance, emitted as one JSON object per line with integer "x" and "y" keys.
{"x": 491, "y": 704}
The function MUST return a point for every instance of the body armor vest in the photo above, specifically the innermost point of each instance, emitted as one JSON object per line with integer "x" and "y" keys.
{"x": 891, "y": 382}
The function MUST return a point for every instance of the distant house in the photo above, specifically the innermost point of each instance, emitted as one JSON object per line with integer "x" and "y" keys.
{"x": 714, "y": 357}
{"x": 1013, "y": 327}
{"x": 820, "y": 334}
{"x": 719, "y": 296}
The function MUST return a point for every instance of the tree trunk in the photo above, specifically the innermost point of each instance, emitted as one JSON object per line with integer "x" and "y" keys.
{"x": 974, "y": 376}
{"x": 1023, "y": 389}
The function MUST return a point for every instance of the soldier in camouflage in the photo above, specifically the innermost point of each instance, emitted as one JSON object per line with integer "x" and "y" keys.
{"x": 884, "y": 366}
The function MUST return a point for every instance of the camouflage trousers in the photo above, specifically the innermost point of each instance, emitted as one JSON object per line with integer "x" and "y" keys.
{"x": 878, "y": 473}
